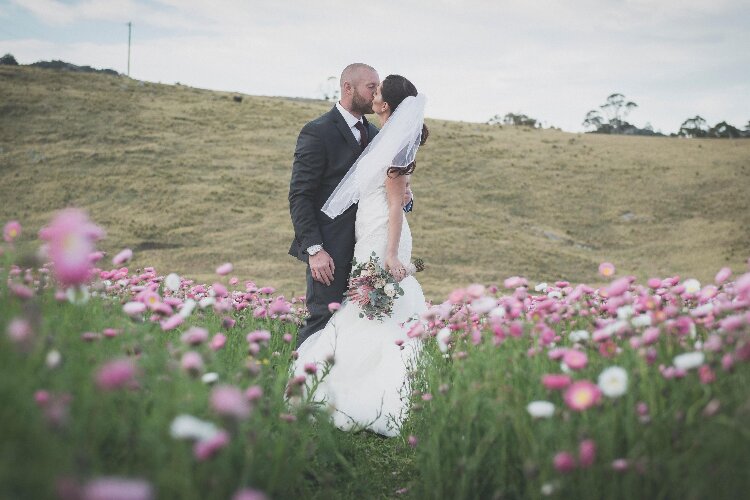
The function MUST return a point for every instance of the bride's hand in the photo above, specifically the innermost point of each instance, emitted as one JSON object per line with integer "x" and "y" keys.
{"x": 395, "y": 267}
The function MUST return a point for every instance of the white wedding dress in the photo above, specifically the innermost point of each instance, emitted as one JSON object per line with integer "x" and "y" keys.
{"x": 368, "y": 384}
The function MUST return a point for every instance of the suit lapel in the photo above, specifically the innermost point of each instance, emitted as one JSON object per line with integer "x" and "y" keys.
{"x": 345, "y": 130}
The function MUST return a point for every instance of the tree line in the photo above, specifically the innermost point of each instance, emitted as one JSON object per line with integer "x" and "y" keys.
{"x": 611, "y": 118}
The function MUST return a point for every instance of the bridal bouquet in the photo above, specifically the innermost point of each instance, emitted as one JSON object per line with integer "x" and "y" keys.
{"x": 374, "y": 289}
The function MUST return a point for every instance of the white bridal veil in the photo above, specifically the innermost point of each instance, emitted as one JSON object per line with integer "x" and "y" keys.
{"x": 395, "y": 146}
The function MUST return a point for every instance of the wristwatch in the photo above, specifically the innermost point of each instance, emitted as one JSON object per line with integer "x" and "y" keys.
{"x": 312, "y": 250}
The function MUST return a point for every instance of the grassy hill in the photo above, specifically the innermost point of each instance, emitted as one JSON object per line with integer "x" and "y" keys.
{"x": 189, "y": 178}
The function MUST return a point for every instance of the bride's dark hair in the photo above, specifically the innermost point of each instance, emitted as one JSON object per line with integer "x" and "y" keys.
{"x": 395, "y": 89}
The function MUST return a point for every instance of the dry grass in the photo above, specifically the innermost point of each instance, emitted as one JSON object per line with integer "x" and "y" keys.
{"x": 189, "y": 179}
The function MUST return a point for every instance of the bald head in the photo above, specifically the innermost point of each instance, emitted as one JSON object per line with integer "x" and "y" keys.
{"x": 358, "y": 84}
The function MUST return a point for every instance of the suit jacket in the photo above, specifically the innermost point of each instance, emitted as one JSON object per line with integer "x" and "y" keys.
{"x": 326, "y": 150}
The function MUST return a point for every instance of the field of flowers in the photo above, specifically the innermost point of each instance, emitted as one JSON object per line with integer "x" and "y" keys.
{"x": 120, "y": 382}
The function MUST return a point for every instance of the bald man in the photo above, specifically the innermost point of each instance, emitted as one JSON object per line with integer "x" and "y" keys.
{"x": 326, "y": 149}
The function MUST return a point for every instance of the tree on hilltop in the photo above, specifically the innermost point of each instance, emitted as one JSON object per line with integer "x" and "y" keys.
{"x": 8, "y": 60}
{"x": 694, "y": 127}
{"x": 724, "y": 130}
{"x": 610, "y": 117}
{"x": 516, "y": 119}
{"x": 330, "y": 90}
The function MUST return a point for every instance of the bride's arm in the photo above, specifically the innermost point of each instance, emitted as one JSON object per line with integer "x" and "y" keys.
{"x": 395, "y": 187}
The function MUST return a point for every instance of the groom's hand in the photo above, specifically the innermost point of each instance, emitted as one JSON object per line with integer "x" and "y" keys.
{"x": 322, "y": 268}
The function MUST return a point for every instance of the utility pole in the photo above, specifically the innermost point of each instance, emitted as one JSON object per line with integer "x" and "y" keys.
{"x": 130, "y": 24}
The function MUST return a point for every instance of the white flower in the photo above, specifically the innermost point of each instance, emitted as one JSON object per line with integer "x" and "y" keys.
{"x": 498, "y": 312}
{"x": 53, "y": 359}
{"x": 483, "y": 305}
{"x": 172, "y": 281}
{"x": 703, "y": 310}
{"x": 613, "y": 381}
{"x": 442, "y": 337}
{"x": 641, "y": 320}
{"x": 540, "y": 409}
{"x": 579, "y": 336}
{"x": 189, "y": 427}
{"x": 554, "y": 294}
{"x": 389, "y": 290}
{"x": 541, "y": 287}
{"x": 210, "y": 377}
{"x": 187, "y": 308}
{"x": 548, "y": 489}
{"x": 207, "y": 301}
{"x": 689, "y": 360}
{"x": 692, "y": 286}
{"x": 78, "y": 295}
{"x": 564, "y": 368}
{"x": 123, "y": 282}
{"x": 625, "y": 312}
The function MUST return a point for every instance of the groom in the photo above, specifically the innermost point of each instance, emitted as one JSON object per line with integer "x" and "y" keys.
{"x": 327, "y": 147}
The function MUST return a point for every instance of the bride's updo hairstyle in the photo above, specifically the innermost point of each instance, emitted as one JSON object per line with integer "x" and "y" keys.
{"x": 395, "y": 89}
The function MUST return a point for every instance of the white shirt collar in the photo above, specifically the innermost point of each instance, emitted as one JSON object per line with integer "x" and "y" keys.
{"x": 351, "y": 120}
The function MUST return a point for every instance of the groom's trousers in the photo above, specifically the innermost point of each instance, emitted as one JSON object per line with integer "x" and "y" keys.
{"x": 338, "y": 241}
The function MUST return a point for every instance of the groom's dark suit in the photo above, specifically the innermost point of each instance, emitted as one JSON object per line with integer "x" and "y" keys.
{"x": 326, "y": 150}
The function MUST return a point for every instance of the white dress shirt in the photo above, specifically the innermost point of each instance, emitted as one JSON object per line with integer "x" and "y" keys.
{"x": 351, "y": 120}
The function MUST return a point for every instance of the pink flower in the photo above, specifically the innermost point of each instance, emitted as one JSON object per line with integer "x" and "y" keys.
{"x": 706, "y": 374}
{"x": 249, "y": 494}
{"x": 192, "y": 362}
{"x": 115, "y": 488}
{"x": 11, "y": 231}
{"x": 194, "y": 335}
{"x": 334, "y": 306}
{"x": 723, "y": 274}
{"x": 607, "y": 269}
{"x": 172, "y": 322}
{"x": 224, "y": 269}
{"x": 19, "y": 331}
{"x": 258, "y": 336}
{"x": 21, "y": 291}
{"x": 122, "y": 257}
{"x": 218, "y": 341}
{"x": 287, "y": 337}
{"x": 71, "y": 238}
{"x": 475, "y": 290}
{"x": 311, "y": 368}
{"x": 654, "y": 283}
{"x": 575, "y": 360}
{"x": 586, "y": 453}
{"x": 457, "y": 296}
{"x": 279, "y": 306}
{"x": 253, "y": 393}
{"x": 220, "y": 290}
{"x": 555, "y": 381}
{"x": 412, "y": 440}
{"x": 620, "y": 465}
{"x": 582, "y": 395}
{"x": 515, "y": 282}
{"x": 618, "y": 287}
{"x": 229, "y": 401}
{"x": 564, "y": 462}
{"x": 116, "y": 374}
{"x": 207, "y": 448}
{"x": 41, "y": 397}
{"x": 134, "y": 308}
{"x": 111, "y": 332}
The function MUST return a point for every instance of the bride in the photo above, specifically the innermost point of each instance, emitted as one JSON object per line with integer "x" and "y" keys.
{"x": 359, "y": 368}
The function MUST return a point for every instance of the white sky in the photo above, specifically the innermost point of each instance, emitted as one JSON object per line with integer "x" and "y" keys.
{"x": 553, "y": 60}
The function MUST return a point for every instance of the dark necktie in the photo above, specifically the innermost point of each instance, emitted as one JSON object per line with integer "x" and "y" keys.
{"x": 362, "y": 135}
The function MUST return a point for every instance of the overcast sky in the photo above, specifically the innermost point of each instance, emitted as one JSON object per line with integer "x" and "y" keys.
{"x": 553, "y": 60}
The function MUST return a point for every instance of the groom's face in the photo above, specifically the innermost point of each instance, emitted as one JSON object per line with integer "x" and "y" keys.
{"x": 364, "y": 86}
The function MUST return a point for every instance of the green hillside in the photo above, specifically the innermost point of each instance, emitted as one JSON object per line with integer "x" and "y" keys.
{"x": 189, "y": 178}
